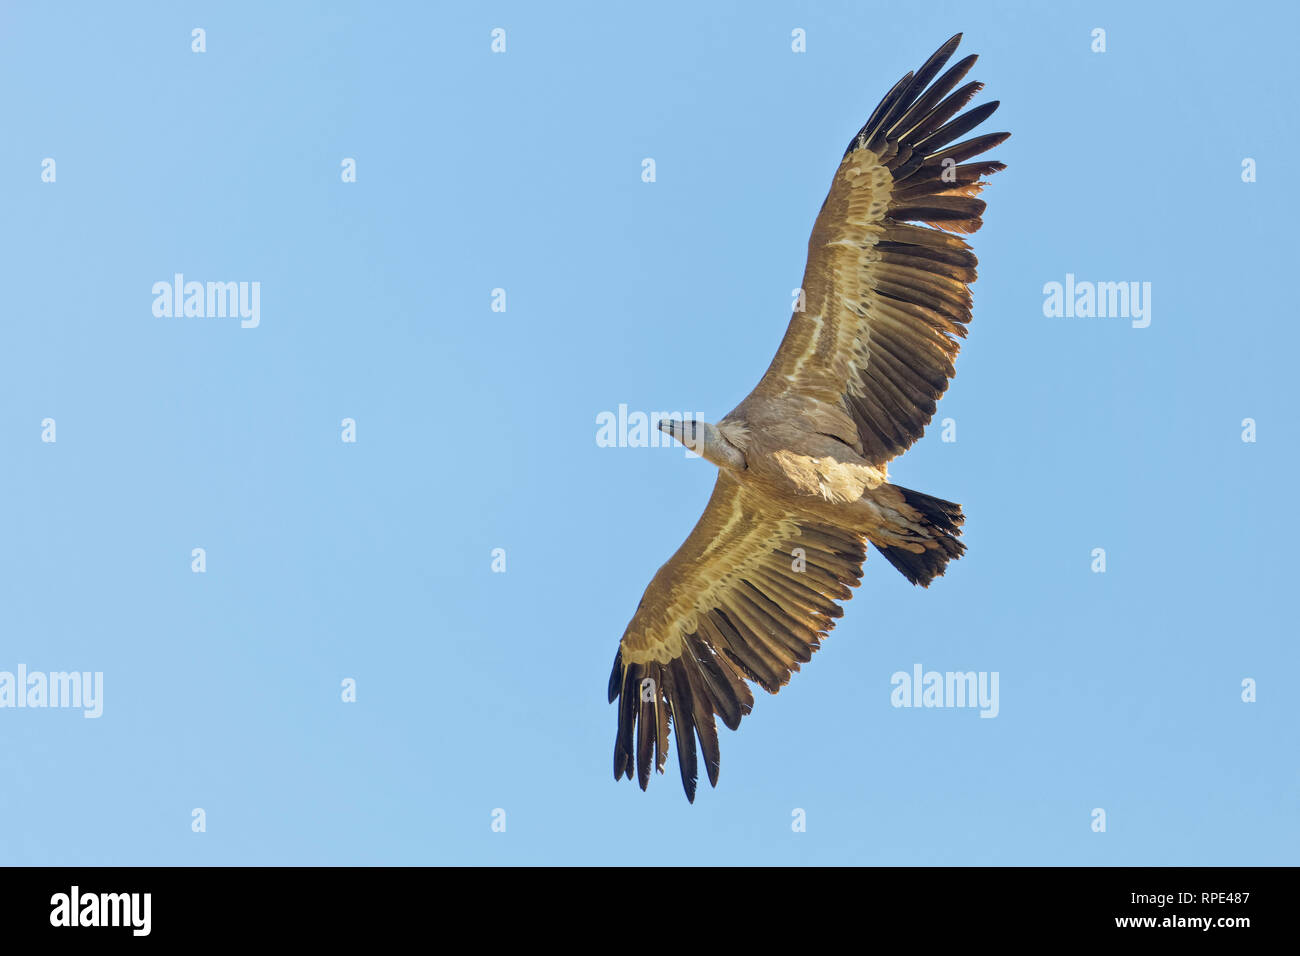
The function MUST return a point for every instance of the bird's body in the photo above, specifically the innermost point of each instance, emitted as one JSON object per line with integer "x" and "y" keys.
{"x": 796, "y": 463}
{"x": 797, "y": 460}
{"x": 803, "y": 485}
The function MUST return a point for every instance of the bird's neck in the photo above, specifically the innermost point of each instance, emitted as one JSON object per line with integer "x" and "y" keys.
{"x": 720, "y": 447}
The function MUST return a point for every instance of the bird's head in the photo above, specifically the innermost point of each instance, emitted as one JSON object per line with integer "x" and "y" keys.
{"x": 692, "y": 434}
{"x": 705, "y": 440}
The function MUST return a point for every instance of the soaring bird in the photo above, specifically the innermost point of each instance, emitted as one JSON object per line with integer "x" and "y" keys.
{"x": 802, "y": 483}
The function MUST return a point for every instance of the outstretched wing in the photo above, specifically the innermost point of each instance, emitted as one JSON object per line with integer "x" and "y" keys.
{"x": 748, "y": 596}
{"x": 886, "y": 294}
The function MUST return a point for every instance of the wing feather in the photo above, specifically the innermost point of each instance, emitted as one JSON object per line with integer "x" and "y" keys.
{"x": 887, "y": 285}
{"x": 735, "y": 603}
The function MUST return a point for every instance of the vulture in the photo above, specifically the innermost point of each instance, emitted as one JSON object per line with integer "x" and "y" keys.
{"x": 802, "y": 462}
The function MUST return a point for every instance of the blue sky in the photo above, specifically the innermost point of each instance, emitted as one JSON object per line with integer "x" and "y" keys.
{"x": 475, "y": 430}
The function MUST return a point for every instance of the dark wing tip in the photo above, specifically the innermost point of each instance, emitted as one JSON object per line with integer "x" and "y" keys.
{"x": 940, "y": 56}
{"x": 616, "y": 675}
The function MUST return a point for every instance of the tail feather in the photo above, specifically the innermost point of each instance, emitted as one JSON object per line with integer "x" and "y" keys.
{"x": 942, "y": 521}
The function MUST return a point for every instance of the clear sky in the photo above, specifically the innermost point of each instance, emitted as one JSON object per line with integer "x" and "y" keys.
{"x": 476, "y": 429}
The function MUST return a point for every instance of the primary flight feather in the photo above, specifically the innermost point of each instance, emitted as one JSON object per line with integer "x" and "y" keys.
{"x": 802, "y": 482}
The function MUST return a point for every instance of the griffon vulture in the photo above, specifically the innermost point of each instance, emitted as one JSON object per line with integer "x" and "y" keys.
{"x": 802, "y": 485}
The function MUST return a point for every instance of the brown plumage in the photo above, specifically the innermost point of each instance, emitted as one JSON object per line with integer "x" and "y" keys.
{"x": 802, "y": 483}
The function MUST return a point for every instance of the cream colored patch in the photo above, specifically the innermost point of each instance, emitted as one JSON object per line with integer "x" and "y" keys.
{"x": 856, "y": 207}
{"x": 851, "y": 265}
{"x": 735, "y": 515}
{"x": 810, "y": 350}
{"x": 835, "y": 481}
